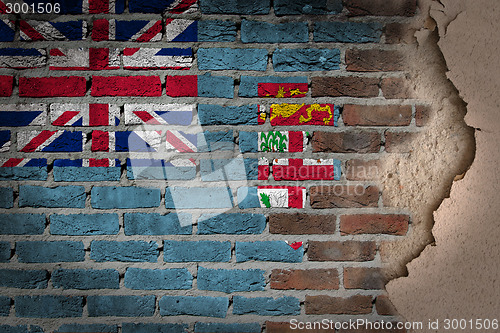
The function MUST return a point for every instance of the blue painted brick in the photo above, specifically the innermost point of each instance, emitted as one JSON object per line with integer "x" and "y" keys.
{"x": 155, "y": 279}
{"x": 291, "y": 60}
{"x": 121, "y": 306}
{"x": 87, "y": 328}
{"x": 4, "y": 251}
{"x": 6, "y": 197}
{"x": 22, "y": 224}
{"x": 234, "y": 224}
{"x": 194, "y": 306}
{"x": 249, "y": 84}
{"x": 86, "y": 174}
{"x": 24, "y": 279}
{"x": 34, "y": 169}
{"x": 227, "y": 328}
{"x": 209, "y": 114}
{"x": 243, "y": 7}
{"x": 158, "y": 169}
{"x": 48, "y": 306}
{"x": 84, "y": 224}
{"x": 57, "y": 197}
{"x": 157, "y": 224}
{"x": 158, "y": 6}
{"x": 299, "y": 7}
{"x": 130, "y": 251}
{"x": 185, "y": 251}
{"x": 268, "y": 251}
{"x": 86, "y": 279}
{"x": 213, "y": 170}
{"x": 61, "y": 251}
{"x": 154, "y": 328}
{"x": 124, "y": 197}
{"x": 213, "y": 141}
{"x": 237, "y": 59}
{"x": 248, "y": 198}
{"x": 216, "y": 31}
{"x": 231, "y": 280}
{"x": 21, "y": 329}
{"x": 215, "y": 86}
{"x": 248, "y": 142}
{"x": 266, "y": 306}
{"x": 4, "y": 306}
{"x": 347, "y": 32}
{"x": 264, "y": 32}
{"x": 198, "y": 197}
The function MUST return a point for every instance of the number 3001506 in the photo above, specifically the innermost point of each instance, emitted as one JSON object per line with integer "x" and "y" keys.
{"x": 40, "y": 8}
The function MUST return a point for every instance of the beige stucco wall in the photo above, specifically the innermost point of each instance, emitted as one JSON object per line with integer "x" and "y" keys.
{"x": 459, "y": 276}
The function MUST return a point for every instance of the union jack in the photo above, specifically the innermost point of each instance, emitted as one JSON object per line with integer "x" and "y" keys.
{"x": 49, "y": 141}
{"x": 159, "y": 114}
{"x": 16, "y": 115}
{"x": 84, "y": 114}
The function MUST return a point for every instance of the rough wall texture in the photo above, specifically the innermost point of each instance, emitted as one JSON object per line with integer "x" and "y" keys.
{"x": 463, "y": 263}
{"x": 154, "y": 180}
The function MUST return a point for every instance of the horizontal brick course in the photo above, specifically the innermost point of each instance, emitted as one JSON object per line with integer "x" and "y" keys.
{"x": 345, "y": 86}
{"x": 373, "y": 60}
{"x": 344, "y": 196}
{"x": 341, "y": 251}
{"x": 297, "y": 224}
{"x": 354, "y": 305}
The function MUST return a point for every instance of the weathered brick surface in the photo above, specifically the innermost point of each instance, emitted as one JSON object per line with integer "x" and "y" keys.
{"x": 345, "y": 86}
{"x": 357, "y": 169}
{"x": 363, "y": 278}
{"x": 384, "y": 306}
{"x": 377, "y": 115}
{"x": 372, "y": 60}
{"x": 353, "y": 305}
{"x": 374, "y": 224}
{"x": 305, "y": 279}
{"x": 297, "y": 224}
{"x": 347, "y": 142}
{"x": 422, "y": 115}
{"x": 344, "y": 196}
{"x": 380, "y": 7}
{"x": 399, "y": 33}
{"x": 341, "y": 251}
{"x": 400, "y": 142}
{"x": 399, "y": 88}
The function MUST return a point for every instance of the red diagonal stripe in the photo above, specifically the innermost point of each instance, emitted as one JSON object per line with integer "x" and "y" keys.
{"x": 178, "y": 144}
{"x": 182, "y": 7}
{"x": 65, "y": 118}
{"x": 147, "y": 118}
{"x": 12, "y": 162}
{"x": 3, "y": 8}
{"x": 28, "y": 30}
{"x": 37, "y": 141}
{"x": 150, "y": 33}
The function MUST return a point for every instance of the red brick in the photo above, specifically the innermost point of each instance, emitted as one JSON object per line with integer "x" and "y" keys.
{"x": 363, "y": 170}
{"x": 348, "y": 142}
{"x": 391, "y": 224}
{"x": 6, "y": 85}
{"x": 363, "y": 278}
{"x": 344, "y": 196}
{"x": 384, "y": 306}
{"x": 400, "y": 142}
{"x": 381, "y": 7}
{"x": 61, "y": 86}
{"x": 317, "y": 279}
{"x": 341, "y": 251}
{"x": 375, "y": 60}
{"x": 182, "y": 86}
{"x": 396, "y": 88}
{"x": 376, "y": 115}
{"x": 323, "y": 304}
{"x": 284, "y": 327}
{"x": 149, "y": 86}
{"x": 345, "y": 86}
{"x": 399, "y": 33}
{"x": 301, "y": 224}
{"x": 422, "y": 115}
